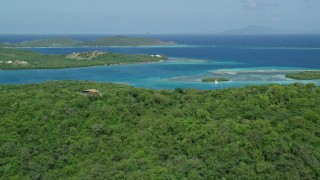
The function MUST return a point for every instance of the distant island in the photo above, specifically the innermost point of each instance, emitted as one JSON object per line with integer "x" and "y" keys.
{"x": 259, "y": 30}
{"x": 11, "y": 59}
{"x": 306, "y": 75}
{"x": 105, "y": 41}
{"x": 214, "y": 79}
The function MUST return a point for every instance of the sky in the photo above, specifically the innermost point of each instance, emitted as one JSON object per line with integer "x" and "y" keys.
{"x": 155, "y": 16}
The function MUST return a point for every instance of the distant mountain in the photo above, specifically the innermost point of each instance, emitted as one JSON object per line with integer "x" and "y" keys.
{"x": 315, "y": 31}
{"x": 106, "y": 41}
{"x": 257, "y": 30}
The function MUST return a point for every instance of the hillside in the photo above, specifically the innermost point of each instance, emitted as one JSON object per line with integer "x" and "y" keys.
{"x": 126, "y": 41}
{"x": 106, "y": 41}
{"x": 44, "y": 43}
{"x": 23, "y": 59}
{"x": 53, "y": 131}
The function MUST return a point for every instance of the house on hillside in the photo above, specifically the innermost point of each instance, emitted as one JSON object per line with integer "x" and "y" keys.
{"x": 91, "y": 92}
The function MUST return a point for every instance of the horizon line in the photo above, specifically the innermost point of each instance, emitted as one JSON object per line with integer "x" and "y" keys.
{"x": 223, "y": 34}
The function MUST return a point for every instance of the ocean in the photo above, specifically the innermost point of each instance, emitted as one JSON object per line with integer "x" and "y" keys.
{"x": 245, "y": 60}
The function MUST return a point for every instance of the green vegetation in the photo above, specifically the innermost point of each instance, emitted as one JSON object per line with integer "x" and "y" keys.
{"x": 23, "y": 59}
{"x": 214, "y": 79}
{"x": 306, "y": 75}
{"x": 53, "y": 131}
{"x": 106, "y": 41}
{"x": 126, "y": 41}
{"x": 43, "y": 43}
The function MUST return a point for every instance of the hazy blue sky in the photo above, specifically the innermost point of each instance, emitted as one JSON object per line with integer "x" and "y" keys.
{"x": 154, "y": 16}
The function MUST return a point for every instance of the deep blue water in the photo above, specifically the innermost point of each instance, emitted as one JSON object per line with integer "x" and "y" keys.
{"x": 243, "y": 59}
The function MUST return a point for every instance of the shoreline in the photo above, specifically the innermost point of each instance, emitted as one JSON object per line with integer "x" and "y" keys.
{"x": 48, "y": 47}
{"x": 34, "y": 60}
{"x": 133, "y": 63}
{"x": 169, "y": 60}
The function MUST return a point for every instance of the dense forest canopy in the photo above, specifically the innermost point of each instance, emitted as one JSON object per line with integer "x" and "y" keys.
{"x": 54, "y": 131}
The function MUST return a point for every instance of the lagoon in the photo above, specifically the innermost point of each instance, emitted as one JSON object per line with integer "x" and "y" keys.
{"x": 244, "y": 60}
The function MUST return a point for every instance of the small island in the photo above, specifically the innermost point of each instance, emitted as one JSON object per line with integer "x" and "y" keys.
{"x": 14, "y": 59}
{"x": 306, "y": 75}
{"x": 215, "y": 79}
{"x": 100, "y": 42}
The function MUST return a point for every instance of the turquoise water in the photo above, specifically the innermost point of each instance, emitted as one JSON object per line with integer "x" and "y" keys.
{"x": 258, "y": 60}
